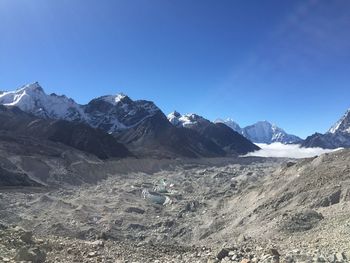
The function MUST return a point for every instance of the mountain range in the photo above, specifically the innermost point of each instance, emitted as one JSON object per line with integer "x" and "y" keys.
{"x": 115, "y": 126}
{"x": 262, "y": 132}
{"x": 132, "y": 128}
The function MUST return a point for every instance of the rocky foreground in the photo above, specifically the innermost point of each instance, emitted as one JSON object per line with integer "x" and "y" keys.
{"x": 243, "y": 210}
{"x": 18, "y": 245}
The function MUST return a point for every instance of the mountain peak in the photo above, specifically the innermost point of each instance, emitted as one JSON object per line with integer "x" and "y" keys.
{"x": 343, "y": 125}
{"x": 32, "y": 87}
{"x": 31, "y": 98}
{"x": 262, "y": 132}
{"x": 184, "y": 120}
{"x": 116, "y": 99}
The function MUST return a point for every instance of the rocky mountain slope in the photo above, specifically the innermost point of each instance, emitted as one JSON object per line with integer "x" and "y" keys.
{"x": 157, "y": 137}
{"x": 16, "y": 123}
{"x": 220, "y": 134}
{"x": 262, "y": 132}
{"x": 337, "y": 136}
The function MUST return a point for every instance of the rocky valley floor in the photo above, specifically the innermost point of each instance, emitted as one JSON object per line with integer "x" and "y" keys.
{"x": 209, "y": 210}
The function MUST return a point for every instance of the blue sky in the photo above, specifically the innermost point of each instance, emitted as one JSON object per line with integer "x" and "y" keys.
{"x": 283, "y": 61}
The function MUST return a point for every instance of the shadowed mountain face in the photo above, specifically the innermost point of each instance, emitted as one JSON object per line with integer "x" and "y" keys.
{"x": 160, "y": 138}
{"x": 76, "y": 135}
{"x": 10, "y": 178}
{"x": 220, "y": 134}
{"x": 328, "y": 140}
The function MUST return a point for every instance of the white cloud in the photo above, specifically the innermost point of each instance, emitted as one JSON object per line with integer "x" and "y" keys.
{"x": 289, "y": 151}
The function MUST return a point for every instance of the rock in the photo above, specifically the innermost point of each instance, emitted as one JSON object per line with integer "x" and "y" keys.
{"x": 331, "y": 258}
{"x": 97, "y": 243}
{"x": 92, "y": 254}
{"x": 270, "y": 259}
{"x": 274, "y": 252}
{"x": 27, "y": 237}
{"x": 34, "y": 255}
{"x": 40, "y": 241}
{"x": 302, "y": 221}
{"x": 135, "y": 210}
{"x": 241, "y": 238}
{"x": 231, "y": 253}
{"x": 223, "y": 253}
{"x": 340, "y": 257}
{"x": 321, "y": 259}
{"x": 245, "y": 260}
{"x": 6, "y": 260}
{"x": 289, "y": 259}
{"x": 192, "y": 206}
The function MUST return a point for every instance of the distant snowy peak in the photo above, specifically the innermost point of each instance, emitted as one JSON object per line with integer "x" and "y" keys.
{"x": 186, "y": 120}
{"x": 265, "y": 132}
{"x": 262, "y": 132}
{"x": 110, "y": 113}
{"x": 230, "y": 123}
{"x": 31, "y": 98}
{"x": 343, "y": 125}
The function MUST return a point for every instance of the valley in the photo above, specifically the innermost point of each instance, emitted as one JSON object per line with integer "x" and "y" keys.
{"x": 186, "y": 211}
{"x": 117, "y": 180}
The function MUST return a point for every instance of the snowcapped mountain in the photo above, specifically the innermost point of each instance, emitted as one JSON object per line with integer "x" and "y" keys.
{"x": 337, "y": 136}
{"x": 118, "y": 112}
{"x": 32, "y": 99}
{"x": 262, "y": 132}
{"x": 343, "y": 125}
{"x": 110, "y": 113}
{"x": 265, "y": 132}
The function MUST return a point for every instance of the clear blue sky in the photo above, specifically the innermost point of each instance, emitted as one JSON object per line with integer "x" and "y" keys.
{"x": 283, "y": 61}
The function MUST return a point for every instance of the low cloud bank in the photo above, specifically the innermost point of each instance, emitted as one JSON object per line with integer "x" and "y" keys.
{"x": 290, "y": 151}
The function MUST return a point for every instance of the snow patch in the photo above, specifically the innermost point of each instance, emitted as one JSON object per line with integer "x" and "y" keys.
{"x": 114, "y": 99}
{"x": 186, "y": 120}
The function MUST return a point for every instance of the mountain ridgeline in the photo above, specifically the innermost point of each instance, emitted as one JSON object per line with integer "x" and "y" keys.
{"x": 113, "y": 126}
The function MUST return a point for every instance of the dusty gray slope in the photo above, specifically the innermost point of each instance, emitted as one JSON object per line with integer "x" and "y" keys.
{"x": 300, "y": 208}
{"x": 31, "y": 162}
